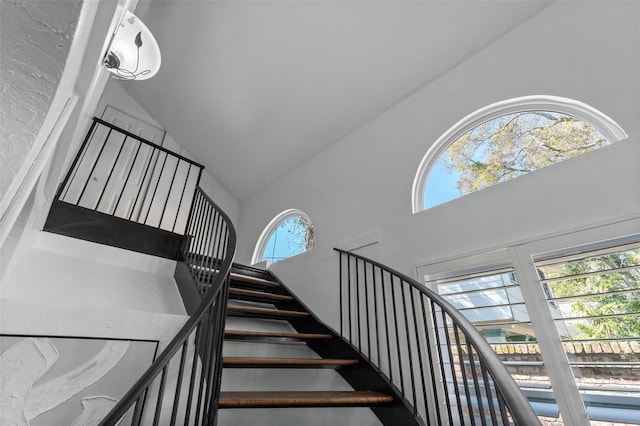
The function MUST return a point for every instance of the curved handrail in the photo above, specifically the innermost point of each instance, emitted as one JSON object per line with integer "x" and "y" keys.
{"x": 213, "y": 242}
{"x": 511, "y": 402}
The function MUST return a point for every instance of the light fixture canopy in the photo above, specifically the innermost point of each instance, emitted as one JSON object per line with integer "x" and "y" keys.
{"x": 133, "y": 53}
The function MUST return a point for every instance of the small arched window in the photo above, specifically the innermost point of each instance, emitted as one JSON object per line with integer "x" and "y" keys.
{"x": 506, "y": 140}
{"x": 288, "y": 234}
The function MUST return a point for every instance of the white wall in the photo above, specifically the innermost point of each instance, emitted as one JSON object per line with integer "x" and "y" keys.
{"x": 116, "y": 96}
{"x": 30, "y": 75}
{"x": 31, "y": 72}
{"x": 24, "y": 205}
{"x": 64, "y": 271}
{"x": 588, "y": 51}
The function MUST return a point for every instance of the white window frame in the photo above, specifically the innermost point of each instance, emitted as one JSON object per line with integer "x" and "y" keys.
{"x": 270, "y": 229}
{"x": 522, "y": 256}
{"x": 609, "y": 129}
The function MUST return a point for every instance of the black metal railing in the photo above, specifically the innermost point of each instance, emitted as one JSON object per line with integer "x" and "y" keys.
{"x": 183, "y": 385}
{"x": 442, "y": 366}
{"x": 119, "y": 173}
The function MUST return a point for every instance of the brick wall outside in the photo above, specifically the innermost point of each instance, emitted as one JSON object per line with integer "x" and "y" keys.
{"x": 585, "y": 352}
{"x": 590, "y": 375}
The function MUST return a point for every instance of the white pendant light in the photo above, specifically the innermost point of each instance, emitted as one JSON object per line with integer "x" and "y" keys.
{"x": 133, "y": 53}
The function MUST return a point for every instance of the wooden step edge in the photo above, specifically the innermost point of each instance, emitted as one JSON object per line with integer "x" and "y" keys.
{"x": 260, "y": 294}
{"x": 240, "y": 362}
{"x": 266, "y": 335}
{"x": 237, "y": 277}
{"x": 283, "y": 399}
{"x": 266, "y": 311}
{"x": 253, "y": 280}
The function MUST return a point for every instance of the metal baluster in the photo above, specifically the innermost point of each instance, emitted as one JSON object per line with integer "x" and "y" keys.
{"x": 166, "y": 201}
{"x": 73, "y": 170}
{"x": 163, "y": 379}
{"x": 184, "y": 189}
{"x": 359, "y": 326}
{"x": 408, "y": 334}
{"x": 419, "y": 354}
{"x": 155, "y": 156}
{"x": 221, "y": 325}
{"x": 463, "y": 371}
{"x": 124, "y": 186}
{"x": 212, "y": 322}
{"x": 214, "y": 251}
{"x": 192, "y": 229}
{"x": 178, "y": 393}
{"x": 375, "y": 313}
{"x": 93, "y": 168}
{"x": 139, "y": 408}
{"x": 194, "y": 369}
{"x": 196, "y": 192}
{"x": 451, "y": 366}
{"x": 349, "y": 297}
{"x": 431, "y": 361}
{"x": 113, "y": 167}
{"x": 340, "y": 256}
{"x": 204, "y": 235}
{"x": 487, "y": 388}
{"x": 395, "y": 326}
{"x": 503, "y": 412}
{"x": 366, "y": 298}
{"x": 156, "y": 188}
{"x": 476, "y": 385}
{"x": 142, "y": 184}
{"x": 206, "y": 358}
{"x": 197, "y": 232}
{"x": 386, "y": 326}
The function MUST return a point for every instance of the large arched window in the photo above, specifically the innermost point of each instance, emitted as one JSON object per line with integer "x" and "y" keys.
{"x": 288, "y": 234}
{"x": 506, "y": 140}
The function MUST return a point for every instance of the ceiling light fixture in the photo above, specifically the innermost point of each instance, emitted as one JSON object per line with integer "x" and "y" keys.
{"x": 133, "y": 53}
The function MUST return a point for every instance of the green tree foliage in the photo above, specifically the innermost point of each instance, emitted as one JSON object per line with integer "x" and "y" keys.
{"x": 611, "y": 299}
{"x": 511, "y": 145}
{"x": 305, "y": 235}
{"x": 515, "y": 144}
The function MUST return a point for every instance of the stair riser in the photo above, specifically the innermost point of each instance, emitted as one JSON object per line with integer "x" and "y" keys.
{"x": 293, "y": 405}
{"x": 255, "y": 287}
{"x": 301, "y": 367}
{"x": 261, "y": 316}
{"x": 284, "y": 304}
{"x": 284, "y": 340}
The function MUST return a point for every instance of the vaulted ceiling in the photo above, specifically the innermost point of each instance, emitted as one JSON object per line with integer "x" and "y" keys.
{"x": 253, "y": 89}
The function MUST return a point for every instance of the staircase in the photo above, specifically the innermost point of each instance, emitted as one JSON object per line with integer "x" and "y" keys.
{"x": 273, "y": 332}
{"x": 404, "y": 355}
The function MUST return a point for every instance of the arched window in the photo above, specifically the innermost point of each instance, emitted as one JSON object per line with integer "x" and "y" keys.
{"x": 506, "y": 140}
{"x": 288, "y": 234}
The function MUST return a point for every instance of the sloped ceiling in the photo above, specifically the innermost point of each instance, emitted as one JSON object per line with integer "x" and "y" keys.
{"x": 255, "y": 89}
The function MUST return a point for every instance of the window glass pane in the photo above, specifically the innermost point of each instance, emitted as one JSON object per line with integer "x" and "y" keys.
{"x": 595, "y": 300}
{"x": 506, "y": 147}
{"x": 493, "y": 303}
{"x": 293, "y": 236}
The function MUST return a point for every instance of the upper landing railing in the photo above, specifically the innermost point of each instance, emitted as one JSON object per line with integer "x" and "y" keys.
{"x": 121, "y": 174}
{"x": 442, "y": 366}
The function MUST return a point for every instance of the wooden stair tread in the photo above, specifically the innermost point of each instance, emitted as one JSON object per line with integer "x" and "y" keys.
{"x": 259, "y": 294}
{"x": 253, "y": 280}
{"x": 302, "y": 399}
{"x": 236, "y": 277}
{"x": 269, "y": 334}
{"x": 287, "y": 362}
{"x": 267, "y": 311}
